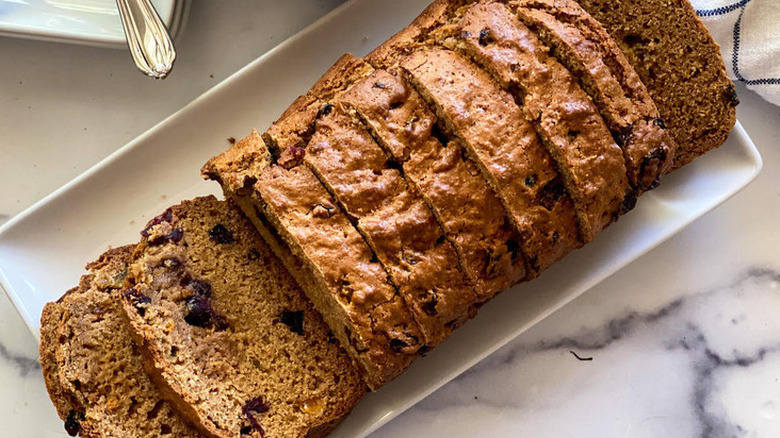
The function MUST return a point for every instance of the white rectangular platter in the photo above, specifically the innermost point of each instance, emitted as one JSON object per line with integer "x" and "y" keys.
{"x": 44, "y": 249}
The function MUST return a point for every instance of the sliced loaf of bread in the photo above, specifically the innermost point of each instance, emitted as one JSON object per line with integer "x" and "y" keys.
{"x": 398, "y": 226}
{"x": 230, "y": 338}
{"x": 568, "y": 123}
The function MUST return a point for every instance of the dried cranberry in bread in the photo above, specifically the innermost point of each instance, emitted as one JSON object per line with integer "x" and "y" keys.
{"x": 94, "y": 375}
{"x": 329, "y": 258}
{"x": 232, "y": 340}
{"x": 581, "y": 44}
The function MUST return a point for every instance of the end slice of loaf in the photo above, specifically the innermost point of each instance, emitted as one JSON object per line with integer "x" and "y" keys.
{"x": 94, "y": 375}
{"x": 230, "y": 337}
{"x": 320, "y": 247}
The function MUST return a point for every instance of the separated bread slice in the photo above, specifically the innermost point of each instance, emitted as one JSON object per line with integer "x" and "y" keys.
{"x": 396, "y": 223}
{"x": 321, "y": 248}
{"x": 679, "y": 63}
{"x": 451, "y": 185}
{"x": 94, "y": 375}
{"x": 492, "y": 127}
{"x": 565, "y": 117}
{"x": 581, "y": 44}
{"x": 231, "y": 338}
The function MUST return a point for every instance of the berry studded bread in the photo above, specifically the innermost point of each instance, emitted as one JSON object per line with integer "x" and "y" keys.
{"x": 336, "y": 268}
{"x": 92, "y": 371}
{"x": 228, "y": 334}
{"x": 451, "y": 185}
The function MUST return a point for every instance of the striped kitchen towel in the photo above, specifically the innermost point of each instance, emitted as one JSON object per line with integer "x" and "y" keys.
{"x": 748, "y": 32}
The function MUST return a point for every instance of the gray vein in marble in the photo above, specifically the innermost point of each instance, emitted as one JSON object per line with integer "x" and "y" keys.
{"x": 679, "y": 319}
{"x": 23, "y": 364}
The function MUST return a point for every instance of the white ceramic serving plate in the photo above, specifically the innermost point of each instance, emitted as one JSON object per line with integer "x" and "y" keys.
{"x": 43, "y": 250}
{"x": 92, "y": 22}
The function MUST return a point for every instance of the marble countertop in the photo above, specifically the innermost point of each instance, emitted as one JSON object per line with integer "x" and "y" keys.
{"x": 684, "y": 342}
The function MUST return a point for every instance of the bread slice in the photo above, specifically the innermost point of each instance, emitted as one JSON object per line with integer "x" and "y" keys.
{"x": 231, "y": 339}
{"x": 677, "y": 59}
{"x": 451, "y": 185}
{"x": 584, "y": 47}
{"x": 569, "y": 125}
{"x": 93, "y": 373}
{"x": 492, "y": 127}
{"x": 321, "y": 248}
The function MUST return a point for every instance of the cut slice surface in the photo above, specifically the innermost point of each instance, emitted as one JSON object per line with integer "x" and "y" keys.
{"x": 492, "y": 127}
{"x": 466, "y": 207}
{"x": 98, "y": 370}
{"x": 232, "y": 339}
{"x": 569, "y": 124}
{"x": 581, "y": 44}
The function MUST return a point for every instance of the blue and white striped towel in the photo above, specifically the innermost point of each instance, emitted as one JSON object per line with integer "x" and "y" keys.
{"x": 748, "y": 32}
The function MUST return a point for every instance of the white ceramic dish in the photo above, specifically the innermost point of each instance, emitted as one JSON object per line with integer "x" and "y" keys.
{"x": 91, "y": 22}
{"x": 44, "y": 249}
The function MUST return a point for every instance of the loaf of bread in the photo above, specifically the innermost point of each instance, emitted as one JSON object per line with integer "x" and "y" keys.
{"x": 230, "y": 338}
{"x": 90, "y": 365}
{"x": 527, "y": 111}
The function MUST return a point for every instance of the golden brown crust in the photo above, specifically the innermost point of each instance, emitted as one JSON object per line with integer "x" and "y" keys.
{"x": 293, "y": 128}
{"x": 494, "y": 130}
{"x": 581, "y": 44}
{"x": 570, "y": 127}
{"x": 465, "y": 206}
{"x": 679, "y": 63}
{"x": 363, "y": 309}
{"x": 399, "y": 227}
